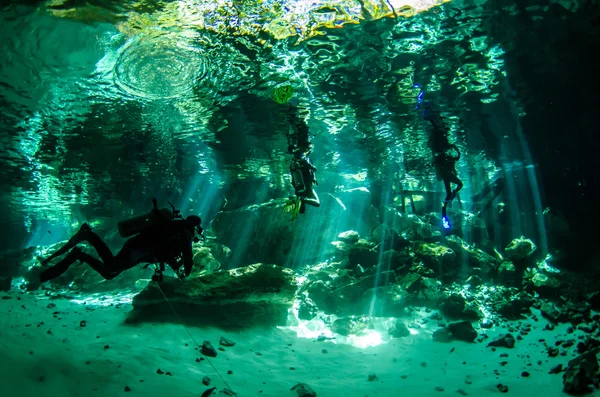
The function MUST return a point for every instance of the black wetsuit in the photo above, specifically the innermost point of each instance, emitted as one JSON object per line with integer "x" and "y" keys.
{"x": 443, "y": 162}
{"x": 161, "y": 243}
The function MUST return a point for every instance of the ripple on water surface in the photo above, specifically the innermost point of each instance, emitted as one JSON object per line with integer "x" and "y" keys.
{"x": 160, "y": 66}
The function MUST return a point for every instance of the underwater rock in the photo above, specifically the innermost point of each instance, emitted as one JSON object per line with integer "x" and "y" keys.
{"x": 253, "y": 294}
{"x": 475, "y": 281}
{"x": 545, "y": 285}
{"x": 398, "y": 261}
{"x": 557, "y": 369}
{"x": 508, "y": 275}
{"x": 348, "y": 326}
{"x": 390, "y": 239}
{"x": 206, "y": 381}
{"x": 322, "y": 296}
{"x": 226, "y": 342}
{"x": 304, "y": 390}
{"x": 426, "y": 291}
{"x": 435, "y": 255}
{"x": 581, "y": 372}
{"x": 442, "y": 335}
{"x": 519, "y": 249}
{"x": 421, "y": 231}
{"x": 208, "y": 349}
{"x": 365, "y": 256}
{"x": 395, "y": 220}
{"x": 552, "y": 313}
{"x": 506, "y": 340}
{"x": 475, "y": 257}
{"x": 512, "y": 307}
{"x": 204, "y": 262}
{"x": 389, "y": 301}
{"x": 463, "y": 331}
{"x": 453, "y": 306}
{"x": 399, "y": 330}
{"x": 354, "y": 298}
{"x": 307, "y": 310}
{"x": 349, "y": 236}
{"x": 594, "y": 300}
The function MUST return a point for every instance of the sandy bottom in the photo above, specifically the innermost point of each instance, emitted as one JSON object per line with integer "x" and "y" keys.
{"x": 45, "y": 351}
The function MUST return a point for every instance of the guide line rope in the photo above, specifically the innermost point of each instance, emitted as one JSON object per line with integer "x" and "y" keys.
{"x": 190, "y": 334}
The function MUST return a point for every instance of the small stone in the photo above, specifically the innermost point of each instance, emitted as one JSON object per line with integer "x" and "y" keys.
{"x": 229, "y": 372}
{"x": 439, "y": 388}
{"x": 221, "y": 349}
{"x": 552, "y": 352}
{"x": 556, "y": 369}
{"x": 502, "y": 388}
{"x": 423, "y": 364}
{"x": 226, "y": 342}
{"x": 506, "y": 340}
{"x": 404, "y": 376}
{"x": 206, "y": 381}
{"x": 106, "y": 347}
{"x": 525, "y": 374}
{"x": 503, "y": 363}
{"x": 324, "y": 351}
{"x": 51, "y": 306}
{"x": 168, "y": 374}
{"x": 372, "y": 377}
{"x": 504, "y": 355}
{"x": 82, "y": 323}
{"x": 127, "y": 388}
{"x": 208, "y": 349}
{"x": 549, "y": 327}
{"x": 304, "y": 390}
{"x": 461, "y": 391}
{"x": 158, "y": 371}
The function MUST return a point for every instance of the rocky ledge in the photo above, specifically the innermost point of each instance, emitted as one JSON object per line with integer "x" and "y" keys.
{"x": 258, "y": 294}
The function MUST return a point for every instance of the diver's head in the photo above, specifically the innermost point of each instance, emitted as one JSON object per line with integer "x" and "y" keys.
{"x": 194, "y": 222}
{"x": 283, "y": 94}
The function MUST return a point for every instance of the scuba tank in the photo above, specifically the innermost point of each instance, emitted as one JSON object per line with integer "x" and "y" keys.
{"x": 135, "y": 225}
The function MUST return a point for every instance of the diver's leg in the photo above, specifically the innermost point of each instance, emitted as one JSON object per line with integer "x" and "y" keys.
{"x": 302, "y": 207}
{"x": 448, "y": 190}
{"x": 459, "y": 185}
{"x": 77, "y": 255}
{"x": 73, "y": 241}
{"x": 312, "y": 198}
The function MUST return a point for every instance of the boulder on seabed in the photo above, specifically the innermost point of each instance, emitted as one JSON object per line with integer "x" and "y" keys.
{"x": 519, "y": 249}
{"x": 255, "y": 294}
{"x": 581, "y": 372}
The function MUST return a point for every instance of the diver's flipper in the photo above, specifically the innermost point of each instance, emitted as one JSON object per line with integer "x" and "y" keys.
{"x": 297, "y": 206}
{"x": 73, "y": 241}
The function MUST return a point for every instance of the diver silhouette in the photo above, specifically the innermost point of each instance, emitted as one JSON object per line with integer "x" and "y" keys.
{"x": 302, "y": 171}
{"x": 158, "y": 239}
{"x": 445, "y": 156}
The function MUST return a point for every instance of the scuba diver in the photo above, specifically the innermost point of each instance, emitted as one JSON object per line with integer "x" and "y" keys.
{"x": 160, "y": 237}
{"x": 445, "y": 156}
{"x": 303, "y": 179}
{"x": 299, "y": 146}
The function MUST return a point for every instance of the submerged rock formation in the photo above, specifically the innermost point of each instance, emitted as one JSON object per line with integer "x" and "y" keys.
{"x": 255, "y": 294}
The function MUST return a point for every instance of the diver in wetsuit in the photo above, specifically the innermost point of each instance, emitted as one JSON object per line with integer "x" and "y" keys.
{"x": 445, "y": 156}
{"x": 163, "y": 242}
{"x": 301, "y": 169}
{"x": 303, "y": 179}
